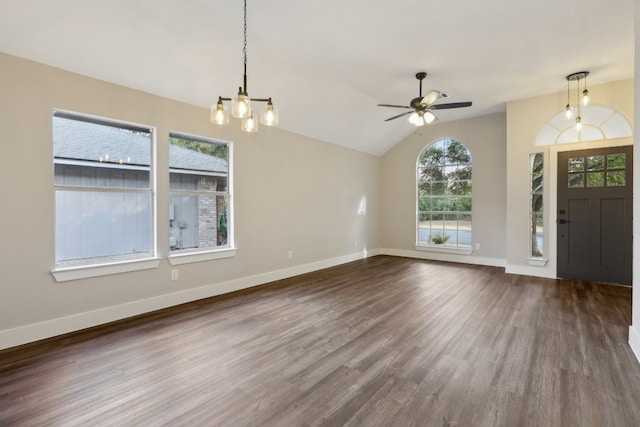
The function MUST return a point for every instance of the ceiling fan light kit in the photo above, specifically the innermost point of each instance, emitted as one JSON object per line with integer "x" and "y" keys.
{"x": 420, "y": 108}
{"x": 241, "y": 104}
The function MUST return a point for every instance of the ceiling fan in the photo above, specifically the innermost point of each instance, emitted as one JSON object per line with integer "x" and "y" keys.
{"x": 420, "y": 107}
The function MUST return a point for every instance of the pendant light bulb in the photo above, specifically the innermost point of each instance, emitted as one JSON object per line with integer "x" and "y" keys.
{"x": 241, "y": 107}
{"x": 585, "y": 97}
{"x": 269, "y": 116}
{"x": 578, "y": 123}
{"x": 250, "y": 124}
{"x": 567, "y": 111}
{"x": 219, "y": 116}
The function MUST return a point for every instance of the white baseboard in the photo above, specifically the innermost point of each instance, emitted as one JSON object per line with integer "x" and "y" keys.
{"x": 75, "y": 322}
{"x": 634, "y": 341}
{"x": 529, "y": 270}
{"x": 439, "y": 256}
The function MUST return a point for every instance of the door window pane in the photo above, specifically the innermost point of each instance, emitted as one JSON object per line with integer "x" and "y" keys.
{"x": 576, "y": 180}
{"x": 616, "y": 161}
{"x": 576, "y": 164}
{"x": 595, "y": 163}
{"x": 616, "y": 179}
{"x": 595, "y": 179}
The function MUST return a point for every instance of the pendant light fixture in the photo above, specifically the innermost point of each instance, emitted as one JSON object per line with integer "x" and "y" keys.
{"x": 567, "y": 108}
{"x": 241, "y": 104}
{"x": 576, "y": 77}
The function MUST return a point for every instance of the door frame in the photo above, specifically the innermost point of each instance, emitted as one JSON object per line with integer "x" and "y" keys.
{"x": 551, "y": 211}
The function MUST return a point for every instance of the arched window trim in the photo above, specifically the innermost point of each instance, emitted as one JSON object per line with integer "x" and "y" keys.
{"x": 447, "y": 210}
{"x": 598, "y": 123}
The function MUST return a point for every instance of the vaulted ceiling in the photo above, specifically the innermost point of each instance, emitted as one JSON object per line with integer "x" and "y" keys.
{"x": 327, "y": 63}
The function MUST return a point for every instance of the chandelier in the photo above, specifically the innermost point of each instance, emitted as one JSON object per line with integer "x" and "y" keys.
{"x": 241, "y": 104}
{"x": 576, "y": 77}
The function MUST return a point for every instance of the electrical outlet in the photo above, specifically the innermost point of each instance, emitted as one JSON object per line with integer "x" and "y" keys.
{"x": 355, "y": 243}
{"x": 290, "y": 254}
{"x": 477, "y": 246}
{"x": 174, "y": 275}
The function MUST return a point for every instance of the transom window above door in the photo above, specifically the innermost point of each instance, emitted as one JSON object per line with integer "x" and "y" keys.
{"x": 598, "y": 123}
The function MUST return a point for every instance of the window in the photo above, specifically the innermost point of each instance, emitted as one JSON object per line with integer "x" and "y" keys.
{"x": 597, "y": 171}
{"x": 444, "y": 195}
{"x": 104, "y": 191}
{"x": 536, "y": 219}
{"x": 200, "y": 199}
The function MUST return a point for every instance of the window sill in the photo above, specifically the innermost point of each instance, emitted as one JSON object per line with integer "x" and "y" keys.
{"x": 537, "y": 262}
{"x": 188, "y": 258}
{"x": 444, "y": 249}
{"x": 65, "y": 274}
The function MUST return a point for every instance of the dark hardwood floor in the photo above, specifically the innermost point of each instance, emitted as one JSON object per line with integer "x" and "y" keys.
{"x": 384, "y": 341}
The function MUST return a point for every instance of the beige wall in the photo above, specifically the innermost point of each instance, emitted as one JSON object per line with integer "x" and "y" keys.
{"x": 485, "y": 138}
{"x": 292, "y": 193}
{"x": 525, "y": 118}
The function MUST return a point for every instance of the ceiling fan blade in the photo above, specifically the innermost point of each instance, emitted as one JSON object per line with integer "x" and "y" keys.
{"x": 450, "y": 105}
{"x": 393, "y": 106}
{"x": 431, "y": 97}
{"x": 399, "y": 115}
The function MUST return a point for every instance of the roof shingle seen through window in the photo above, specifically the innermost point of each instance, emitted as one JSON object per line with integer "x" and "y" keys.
{"x": 85, "y": 141}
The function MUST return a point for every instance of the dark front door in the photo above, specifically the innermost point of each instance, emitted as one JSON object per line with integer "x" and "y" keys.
{"x": 595, "y": 214}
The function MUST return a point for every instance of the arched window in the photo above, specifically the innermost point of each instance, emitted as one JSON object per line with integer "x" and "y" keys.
{"x": 444, "y": 195}
{"x": 597, "y": 123}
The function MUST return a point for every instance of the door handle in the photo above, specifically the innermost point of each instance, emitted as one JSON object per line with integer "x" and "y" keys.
{"x": 562, "y": 221}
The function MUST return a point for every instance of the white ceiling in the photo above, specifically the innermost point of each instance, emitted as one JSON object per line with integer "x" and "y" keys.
{"x": 327, "y": 63}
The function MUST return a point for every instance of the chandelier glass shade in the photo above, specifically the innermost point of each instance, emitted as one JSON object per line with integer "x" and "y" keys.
{"x": 269, "y": 116}
{"x": 249, "y": 124}
{"x": 241, "y": 106}
{"x": 219, "y": 115}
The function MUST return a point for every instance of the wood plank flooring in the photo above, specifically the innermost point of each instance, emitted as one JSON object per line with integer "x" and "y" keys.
{"x": 383, "y": 341}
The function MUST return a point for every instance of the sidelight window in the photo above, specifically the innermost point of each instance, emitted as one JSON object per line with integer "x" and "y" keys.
{"x": 536, "y": 217}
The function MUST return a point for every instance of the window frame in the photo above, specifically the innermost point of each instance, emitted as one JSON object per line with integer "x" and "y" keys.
{"x": 186, "y": 256}
{"x": 101, "y": 266}
{"x": 533, "y": 195}
{"x": 433, "y": 247}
